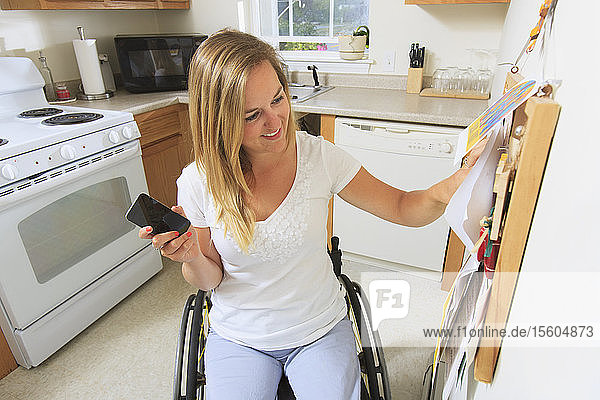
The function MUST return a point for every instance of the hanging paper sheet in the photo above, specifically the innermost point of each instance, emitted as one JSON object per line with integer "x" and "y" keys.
{"x": 474, "y": 198}
{"x": 482, "y": 126}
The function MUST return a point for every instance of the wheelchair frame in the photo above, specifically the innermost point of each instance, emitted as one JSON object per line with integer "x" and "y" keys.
{"x": 374, "y": 378}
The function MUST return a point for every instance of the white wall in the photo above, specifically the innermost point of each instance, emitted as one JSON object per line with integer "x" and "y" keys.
{"x": 204, "y": 16}
{"x": 563, "y": 237}
{"x": 447, "y": 31}
{"x": 23, "y": 33}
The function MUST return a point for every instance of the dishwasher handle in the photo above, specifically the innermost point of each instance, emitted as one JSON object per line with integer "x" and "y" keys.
{"x": 382, "y": 131}
{"x": 389, "y": 131}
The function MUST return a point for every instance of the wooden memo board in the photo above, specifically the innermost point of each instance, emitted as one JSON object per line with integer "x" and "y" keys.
{"x": 538, "y": 116}
{"x": 542, "y": 117}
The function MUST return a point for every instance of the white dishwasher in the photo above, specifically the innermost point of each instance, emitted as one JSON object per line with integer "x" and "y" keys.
{"x": 406, "y": 156}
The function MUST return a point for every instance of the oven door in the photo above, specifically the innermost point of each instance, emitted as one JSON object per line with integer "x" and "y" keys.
{"x": 63, "y": 233}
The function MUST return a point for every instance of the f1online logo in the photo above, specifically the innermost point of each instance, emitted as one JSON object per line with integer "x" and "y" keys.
{"x": 389, "y": 299}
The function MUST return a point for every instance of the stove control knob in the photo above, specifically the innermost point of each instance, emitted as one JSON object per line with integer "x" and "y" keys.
{"x": 9, "y": 172}
{"x": 446, "y": 148}
{"x": 113, "y": 136}
{"x": 127, "y": 133}
{"x": 67, "y": 152}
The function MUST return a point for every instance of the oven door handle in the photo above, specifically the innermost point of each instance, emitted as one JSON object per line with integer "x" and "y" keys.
{"x": 85, "y": 167}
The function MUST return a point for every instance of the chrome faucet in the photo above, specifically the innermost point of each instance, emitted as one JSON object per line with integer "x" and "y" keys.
{"x": 314, "y": 68}
{"x": 288, "y": 75}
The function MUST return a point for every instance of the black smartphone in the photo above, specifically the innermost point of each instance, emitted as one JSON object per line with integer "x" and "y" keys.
{"x": 146, "y": 211}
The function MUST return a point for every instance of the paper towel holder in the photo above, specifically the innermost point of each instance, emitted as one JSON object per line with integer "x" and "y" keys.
{"x": 108, "y": 92}
{"x": 90, "y": 97}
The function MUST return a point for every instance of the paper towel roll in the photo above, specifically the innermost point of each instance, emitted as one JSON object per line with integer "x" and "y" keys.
{"x": 89, "y": 66}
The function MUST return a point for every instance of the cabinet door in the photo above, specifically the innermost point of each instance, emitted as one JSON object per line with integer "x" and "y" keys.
{"x": 158, "y": 125}
{"x": 162, "y": 165}
{"x": 166, "y": 149}
{"x": 131, "y": 4}
{"x": 186, "y": 146}
{"x": 327, "y": 131}
{"x": 7, "y": 361}
{"x": 173, "y": 4}
{"x": 93, "y": 4}
{"x": 71, "y": 4}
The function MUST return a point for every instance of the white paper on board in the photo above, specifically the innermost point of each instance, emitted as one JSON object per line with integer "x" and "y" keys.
{"x": 474, "y": 198}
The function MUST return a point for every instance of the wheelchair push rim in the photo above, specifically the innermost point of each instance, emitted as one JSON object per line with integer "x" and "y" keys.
{"x": 194, "y": 372}
{"x": 373, "y": 367}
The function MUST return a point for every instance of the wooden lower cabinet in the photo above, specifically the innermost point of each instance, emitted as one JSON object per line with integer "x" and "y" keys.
{"x": 328, "y": 131}
{"x": 166, "y": 149}
{"x": 7, "y": 361}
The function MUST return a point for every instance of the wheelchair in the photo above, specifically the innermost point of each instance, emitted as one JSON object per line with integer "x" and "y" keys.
{"x": 190, "y": 379}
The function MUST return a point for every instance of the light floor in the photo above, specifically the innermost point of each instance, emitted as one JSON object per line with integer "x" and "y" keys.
{"x": 129, "y": 353}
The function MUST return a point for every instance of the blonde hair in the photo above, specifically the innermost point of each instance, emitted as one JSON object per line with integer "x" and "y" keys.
{"x": 217, "y": 82}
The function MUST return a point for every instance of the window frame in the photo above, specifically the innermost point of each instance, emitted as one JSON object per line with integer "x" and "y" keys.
{"x": 326, "y": 61}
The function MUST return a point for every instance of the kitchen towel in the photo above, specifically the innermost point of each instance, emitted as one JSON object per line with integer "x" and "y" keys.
{"x": 89, "y": 66}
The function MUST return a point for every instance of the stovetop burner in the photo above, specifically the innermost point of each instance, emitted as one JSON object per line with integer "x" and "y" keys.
{"x": 72, "y": 118}
{"x": 3, "y": 141}
{"x": 40, "y": 112}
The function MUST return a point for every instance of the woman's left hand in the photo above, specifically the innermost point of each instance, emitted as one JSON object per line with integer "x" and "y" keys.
{"x": 446, "y": 188}
{"x": 471, "y": 158}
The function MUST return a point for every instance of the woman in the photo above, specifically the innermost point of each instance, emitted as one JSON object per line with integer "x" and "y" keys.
{"x": 257, "y": 198}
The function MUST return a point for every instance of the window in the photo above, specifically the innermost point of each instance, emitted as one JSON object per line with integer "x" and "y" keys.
{"x": 310, "y": 25}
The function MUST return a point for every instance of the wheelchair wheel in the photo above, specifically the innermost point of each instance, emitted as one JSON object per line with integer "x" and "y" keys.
{"x": 195, "y": 379}
{"x": 375, "y": 384}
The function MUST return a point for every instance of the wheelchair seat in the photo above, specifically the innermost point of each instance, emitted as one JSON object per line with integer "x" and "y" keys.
{"x": 374, "y": 378}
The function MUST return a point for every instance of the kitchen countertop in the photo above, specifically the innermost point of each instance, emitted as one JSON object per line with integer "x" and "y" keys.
{"x": 382, "y": 104}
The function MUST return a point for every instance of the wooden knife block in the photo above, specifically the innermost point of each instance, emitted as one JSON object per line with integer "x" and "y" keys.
{"x": 414, "y": 83}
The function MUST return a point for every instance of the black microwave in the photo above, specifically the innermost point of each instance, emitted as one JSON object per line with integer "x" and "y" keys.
{"x": 153, "y": 63}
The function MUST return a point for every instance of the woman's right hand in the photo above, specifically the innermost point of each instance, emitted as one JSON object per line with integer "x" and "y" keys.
{"x": 184, "y": 248}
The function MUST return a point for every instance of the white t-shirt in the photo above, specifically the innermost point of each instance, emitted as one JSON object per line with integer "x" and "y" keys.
{"x": 283, "y": 293}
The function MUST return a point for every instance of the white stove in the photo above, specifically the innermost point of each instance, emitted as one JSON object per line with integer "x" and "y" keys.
{"x": 31, "y": 146}
{"x": 67, "y": 177}
{"x": 28, "y": 123}
{"x": 31, "y": 133}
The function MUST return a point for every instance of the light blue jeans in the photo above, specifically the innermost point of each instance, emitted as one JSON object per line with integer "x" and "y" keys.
{"x": 327, "y": 368}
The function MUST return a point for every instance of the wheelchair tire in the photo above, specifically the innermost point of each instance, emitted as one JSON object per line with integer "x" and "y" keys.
{"x": 181, "y": 348}
{"x": 370, "y": 351}
{"x": 195, "y": 378}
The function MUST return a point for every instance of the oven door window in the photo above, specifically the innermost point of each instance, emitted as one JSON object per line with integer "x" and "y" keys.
{"x": 74, "y": 227}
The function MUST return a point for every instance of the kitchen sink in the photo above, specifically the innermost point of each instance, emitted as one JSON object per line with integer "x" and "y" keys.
{"x": 298, "y": 94}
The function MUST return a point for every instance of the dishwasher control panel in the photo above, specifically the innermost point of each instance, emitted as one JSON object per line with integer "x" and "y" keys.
{"x": 400, "y": 138}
